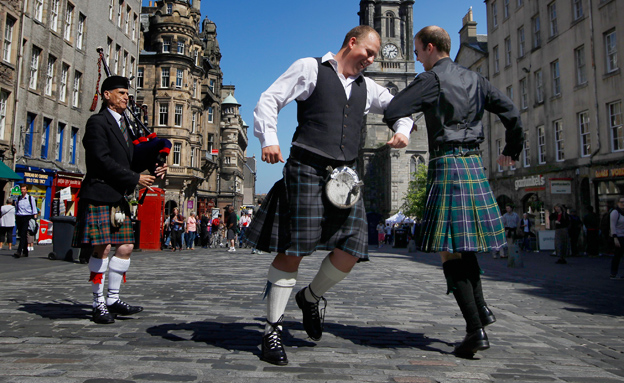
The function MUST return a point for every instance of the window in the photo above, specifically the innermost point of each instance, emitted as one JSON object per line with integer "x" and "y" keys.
{"x": 194, "y": 88}
{"x": 30, "y": 129}
{"x": 72, "y": 145}
{"x": 210, "y": 143}
{"x": 166, "y": 45}
{"x": 390, "y": 24}
{"x": 180, "y": 47}
{"x": 76, "y": 91}
{"x": 4, "y": 97}
{"x": 552, "y": 19}
{"x": 127, "y": 21}
{"x": 50, "y": 76}
{"x": 179, "y": 78}
{"x": 519, "y": 3}
{"x": 164, "y": 77}
{"x": 496, "y": 63}
{"x": 169, "y": 8}
{"x": 109, "y": 54}
{"x": 509, "y": 92}
{"x": 111, "y": 6}
{"x": 524, "y": 100}
{"x": 577, "y": 9}
{"x": 63, "y": 87}
{"x": 541, "y": 144}
{"x": 526, "y": 150}
{"x": 507, "y": 51}
{"x": 69, "y": 19}
{"x": 80, "y": 35}
{"x": 615, "y": 125}
{"x": 177, "y": 153}
{"x": 579, "y": 60}
{"x": 59, "y": 141}
{"x": 415, "y": 162}
{"x": 178, "y": 115}
{"x": 45, "y": 137}
{"x": 210, "y": 114}
{"x": 8, "y": 39}
{"x": 163, "y": 114}
{"x": 583, "y": 121}
{"x": 499, "y": 150}
{"x": 131, "y": 68}
{"x": 54, "y": 14}
{"x": 124, "y": 64}
{"x": 212, "y": 85}
{"x": 119, "y": 13}
{"x": 34, "y": 67}
{"x": 192, "y": 157}
{"x": 140, "y": 74}
{"x": 539, "y": 87}
{"x": 611, "y": 51}
{"x": 558, "y": 128}
{"x": 38, "y": 13}
{"x": 521, "y": 42}
{"x": 228, "y": 161}
{"x": 505, "y": 9}
{"x": 196, "y": 55}
{"x": 494, "y": 15}
{"x": 537, "y": 38}
{"x": 194, "y": 123}
{"x": 117, "y": 58}
{"x": 556, "y": 78}
{"x": 134, "y": 27}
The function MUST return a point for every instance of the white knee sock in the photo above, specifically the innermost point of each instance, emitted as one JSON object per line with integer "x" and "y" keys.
{"x": 280, "y": 286}
{"x": 117, "y": 267}
{"x": 97, "y": 267}
{"x": 327, "y": 276}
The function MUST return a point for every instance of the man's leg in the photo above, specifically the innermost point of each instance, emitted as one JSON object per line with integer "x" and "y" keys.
{"x": 98, "y": 264}
{"x": 281, "y": 279}
{"x": 22, "y": 230}
{"x": 334, "y": 268}
{"x": 117, "y": 267}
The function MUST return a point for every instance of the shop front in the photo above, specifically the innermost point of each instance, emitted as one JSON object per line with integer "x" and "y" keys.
{"x": 38, "y": 182}
{"x": 608, "y": 187}
{"x": 65, "y": 189}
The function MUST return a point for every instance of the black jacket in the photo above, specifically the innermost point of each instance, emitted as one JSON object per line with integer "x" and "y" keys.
{"x": 454, "y": 100}
{"x": 108, "y": 157}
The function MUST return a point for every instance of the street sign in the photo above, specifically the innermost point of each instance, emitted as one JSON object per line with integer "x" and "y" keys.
{"x": 15, "y": 190}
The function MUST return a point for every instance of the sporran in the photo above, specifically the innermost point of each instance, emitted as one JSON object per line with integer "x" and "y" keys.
{"x": 343, "y": 187}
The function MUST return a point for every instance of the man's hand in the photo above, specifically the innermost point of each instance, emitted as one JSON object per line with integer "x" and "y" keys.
{"x": 398, "y": 141}
{"x": 272, "y": 154}
{"x": 146, "y": 180}
{"x": 505, "y": 161}
{"x": 161, "y": 171}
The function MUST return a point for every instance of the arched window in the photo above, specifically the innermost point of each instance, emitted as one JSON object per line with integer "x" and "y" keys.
{"x": 415, "y": 162}
{"x": 389, "y": 24}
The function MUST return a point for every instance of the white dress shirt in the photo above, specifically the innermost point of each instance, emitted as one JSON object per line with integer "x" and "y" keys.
{"x": 298, "y": 83}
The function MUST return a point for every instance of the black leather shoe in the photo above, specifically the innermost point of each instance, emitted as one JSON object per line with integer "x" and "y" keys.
{"x": 122, "y": 308}
{"x": 17, "y": 255}
{"x": 101, "y": 314}
{"x": 486, "y": 316}
{"x": 473, "y": 342}
{"x": 272, "y": 348}
{"x": 312, "y": 318}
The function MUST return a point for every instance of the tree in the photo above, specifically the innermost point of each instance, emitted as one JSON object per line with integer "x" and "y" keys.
{"x": 416, "y": 198}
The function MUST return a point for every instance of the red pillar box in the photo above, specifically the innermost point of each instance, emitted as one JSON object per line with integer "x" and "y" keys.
{"x": 151, "y": 215}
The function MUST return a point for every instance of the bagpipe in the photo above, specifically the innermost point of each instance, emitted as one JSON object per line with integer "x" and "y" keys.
{"x": 150, "y": 151}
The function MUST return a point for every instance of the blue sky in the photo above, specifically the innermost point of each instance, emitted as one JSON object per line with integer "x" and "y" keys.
{"x": 260, "y": 39}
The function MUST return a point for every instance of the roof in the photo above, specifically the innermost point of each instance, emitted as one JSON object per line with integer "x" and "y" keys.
{"x": 230, "y": 100}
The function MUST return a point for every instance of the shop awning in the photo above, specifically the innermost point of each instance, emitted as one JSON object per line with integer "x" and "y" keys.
{"x": 7, "y": 174}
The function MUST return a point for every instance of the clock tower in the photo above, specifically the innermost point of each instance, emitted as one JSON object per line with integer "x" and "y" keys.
{"x": 386, "y": 172}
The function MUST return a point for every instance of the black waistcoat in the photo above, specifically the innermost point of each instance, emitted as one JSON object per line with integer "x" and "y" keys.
{"x": 329, "y": 124}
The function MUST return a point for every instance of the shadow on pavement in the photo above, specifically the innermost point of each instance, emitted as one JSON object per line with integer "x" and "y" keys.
{"x": 58, "y": 309}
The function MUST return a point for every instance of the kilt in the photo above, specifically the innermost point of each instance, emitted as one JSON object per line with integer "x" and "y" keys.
{"x": 298, "y": 219}
{"x": 461, "y": 213}
{"x": 93, "y": 228}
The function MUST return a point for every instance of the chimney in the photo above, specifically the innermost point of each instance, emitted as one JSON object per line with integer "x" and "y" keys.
{"x": 468, "y": 32}
{"x": 197, "y": 5}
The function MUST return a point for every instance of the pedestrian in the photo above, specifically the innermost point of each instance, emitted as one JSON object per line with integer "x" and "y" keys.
{"x": 103, "y": 218}
{"x": 574, "y": 232}
{"x": 166, "y": 239}
{"x": 243, "y": 224}
{"x": 525, "y": 226}
{"x": 191, "y": 231}
{"x": 381, "y": 234}
{"x": 177, "y": 226}
{"x": 7, "y": 223}
{"x": 332, "y": 98}
{"x": 204, "y": 224}
{"x": 591, "y": 220}
{"x": 388, "y": 236}
{"x": 617, "y": 233}
{"x": 25, "y": 210}
{"x": 461, "y": 214}
{"x": 33, "y": 228}
{"x": 231, "y": 223}
{"x": 560, "y": 221}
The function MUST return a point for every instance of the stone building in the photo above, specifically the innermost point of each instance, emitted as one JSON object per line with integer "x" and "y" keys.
{"x": 180, "y": 81}
{"x": 386, "y": 172}
{"x": 56, "y": 77}
{"x": 558, "y": 61}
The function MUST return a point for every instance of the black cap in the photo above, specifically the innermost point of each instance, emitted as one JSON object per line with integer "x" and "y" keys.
{"x": 115, "y": 82}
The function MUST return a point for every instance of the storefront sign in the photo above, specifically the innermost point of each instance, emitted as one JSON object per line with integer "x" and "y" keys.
{"x": 35, "y": 178}
{"x": 65, "y": 182}
{"x": 66, "y": 194}
{"x": 16, "y": 190}
{"x": 546, "y": 239}
{"x": 605, "y": 173}
{"x": 560, "y": 186}
{"x": 530, "y": 181}
{"x": 189, "y": 205}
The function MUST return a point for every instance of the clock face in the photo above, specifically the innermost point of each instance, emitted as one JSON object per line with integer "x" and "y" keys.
{"x": 390, "y": 51}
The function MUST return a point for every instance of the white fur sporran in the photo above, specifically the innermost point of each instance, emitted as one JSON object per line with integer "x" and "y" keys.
{"x": 343, "y": 188}
{"x": 117, "y": 216}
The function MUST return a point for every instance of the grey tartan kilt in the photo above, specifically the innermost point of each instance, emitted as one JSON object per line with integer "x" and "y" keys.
{"x": 297, "y": 219}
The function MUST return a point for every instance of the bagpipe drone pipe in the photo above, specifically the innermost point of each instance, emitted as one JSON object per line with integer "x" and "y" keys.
{"x": 150, "y": 151}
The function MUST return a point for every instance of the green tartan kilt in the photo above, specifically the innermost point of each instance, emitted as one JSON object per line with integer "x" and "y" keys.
{"x": 93, "y": 228}
{"x": 461, "y": 213}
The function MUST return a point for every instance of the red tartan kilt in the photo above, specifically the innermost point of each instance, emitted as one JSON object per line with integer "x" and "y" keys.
{"x": 95, "y": 228}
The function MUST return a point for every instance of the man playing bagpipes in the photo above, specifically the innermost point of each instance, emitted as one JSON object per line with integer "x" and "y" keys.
{"x": 104, "y": 212}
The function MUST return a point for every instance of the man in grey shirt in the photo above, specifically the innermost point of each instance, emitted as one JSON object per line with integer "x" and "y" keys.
{"x": 7, "y": 223}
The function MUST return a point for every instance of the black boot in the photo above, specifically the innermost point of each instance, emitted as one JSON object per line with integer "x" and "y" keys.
{"x": 272, "y": 347}
{"x": 474, "y": 341}
{"x": 474, "y": 276}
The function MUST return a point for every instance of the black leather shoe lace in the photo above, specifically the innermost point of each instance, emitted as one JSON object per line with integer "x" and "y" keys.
{"x": 102, "y": 308}
{"x": 274, "y": 338}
